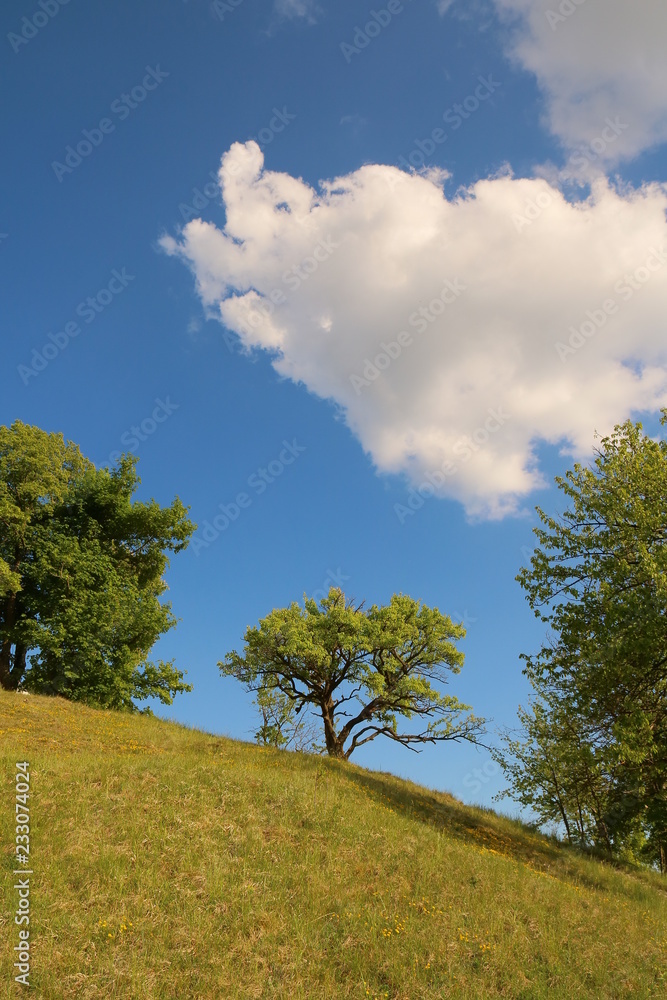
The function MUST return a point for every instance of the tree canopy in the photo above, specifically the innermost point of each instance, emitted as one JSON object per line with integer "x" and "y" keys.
{"x": 81, "y": 574}
{"x": 360, "y": 671}
{"x": 598, "y": 578}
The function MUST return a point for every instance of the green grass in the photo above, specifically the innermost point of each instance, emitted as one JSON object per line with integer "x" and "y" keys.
{"x": 169, "y": 863}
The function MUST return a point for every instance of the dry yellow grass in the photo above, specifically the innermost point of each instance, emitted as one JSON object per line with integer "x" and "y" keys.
{"x": 169, "y": 863}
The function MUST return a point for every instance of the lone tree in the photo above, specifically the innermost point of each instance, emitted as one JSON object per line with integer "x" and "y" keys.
{"x": 81, "y": 569}
{"x": 359, "y": 670}
{"x": 598, "y": 579}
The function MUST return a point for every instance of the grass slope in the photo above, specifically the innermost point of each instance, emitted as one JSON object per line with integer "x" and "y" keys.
{"x": 169, "y": 863}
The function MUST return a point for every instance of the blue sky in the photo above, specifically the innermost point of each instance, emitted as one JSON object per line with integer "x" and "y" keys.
{"x": 535, "y": 135}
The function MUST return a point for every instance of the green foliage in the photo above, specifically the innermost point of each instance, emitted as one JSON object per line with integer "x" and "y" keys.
{"x": 558, "y": 770}
{"x": 282, "y": 727}
{"x": 359, "y": 670}
{"x": 81, "y": 574}
{"x": 599, "y": 579}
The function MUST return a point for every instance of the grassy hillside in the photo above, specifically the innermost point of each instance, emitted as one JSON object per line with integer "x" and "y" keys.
{"x": 169, "y": 863}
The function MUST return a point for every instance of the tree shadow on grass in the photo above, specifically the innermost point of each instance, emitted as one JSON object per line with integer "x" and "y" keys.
{"x": 485, "y": 830}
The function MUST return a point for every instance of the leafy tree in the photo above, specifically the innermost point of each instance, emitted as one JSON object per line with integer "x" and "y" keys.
{"x": 599, "y": 580}
{"x": 360, "y": 671}
{"x": 559, "y": 771}
{"x": 81, "y": 574}
{"x": 282, "y": 727}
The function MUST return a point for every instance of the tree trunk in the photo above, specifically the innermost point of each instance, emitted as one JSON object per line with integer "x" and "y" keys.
{"x": 18, "y": 667}
{"x": 581, "y": 825}
{"x": 5, "y": 665}
{"x": 559, "y": 800}
{"x": 333, "y": 744}
{"x": 8, "y": 682}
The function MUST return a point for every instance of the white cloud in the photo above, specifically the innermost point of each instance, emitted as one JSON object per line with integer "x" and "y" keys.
{"x": 350, "y": 265}
{"x": 596, "y": 60}
{"x": 297, "y": 8}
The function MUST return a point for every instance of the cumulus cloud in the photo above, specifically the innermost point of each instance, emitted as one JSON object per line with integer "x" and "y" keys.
{"x": 454, "y": 334}
{"x": 596, "y": 60}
